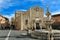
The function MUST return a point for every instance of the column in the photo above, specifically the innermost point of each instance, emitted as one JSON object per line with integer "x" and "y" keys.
{"x": 21, "y": 22}
{"x": 51, "y": 33}
{"x": 30, "y": 23}
{"x": 52, "y": 37}
{"x": 35, "y": 25}
{"x": 49, "y": 36}
{"x": 41, "y": 26}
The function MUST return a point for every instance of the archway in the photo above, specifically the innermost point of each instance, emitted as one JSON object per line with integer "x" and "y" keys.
{"x": 37, "y": 26}
{"x": 37, "y": 21}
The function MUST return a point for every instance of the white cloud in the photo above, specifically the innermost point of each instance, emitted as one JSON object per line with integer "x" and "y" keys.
{"x": 7, "y": 3}
{"x": 53, "y": 2}
{"x": 12, "y": 15}
{"x": 1, "y": 1}
{"x": 57, "y": 12}
{"x": 34, "y": 0}
{"x": 22, "y": 10}
{"x": 9, "y": 16}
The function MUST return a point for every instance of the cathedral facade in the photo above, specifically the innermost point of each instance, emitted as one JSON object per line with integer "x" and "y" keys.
{"x": 32, "y": 18}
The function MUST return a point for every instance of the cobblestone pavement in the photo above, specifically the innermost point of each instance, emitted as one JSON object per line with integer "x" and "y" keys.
{"x": 14, "y": 35}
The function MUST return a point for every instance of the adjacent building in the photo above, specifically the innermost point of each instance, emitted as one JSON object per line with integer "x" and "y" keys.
{"x": 3, "y": 22}
{"x": 56, "y": 19}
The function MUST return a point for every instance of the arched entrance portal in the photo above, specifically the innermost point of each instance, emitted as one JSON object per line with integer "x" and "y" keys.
{"x": 37, "y": 26}
{"x": 37, "y": 23}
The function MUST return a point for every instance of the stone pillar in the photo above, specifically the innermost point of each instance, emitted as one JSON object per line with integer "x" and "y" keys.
{"x": 35, "y": 25}
{"x": 49, "y": 36}
{"x": 52, "y": 37}
{"x": 30, "y": 19}
{"x": 48, "y": 27}
{"x": 28, "y": 22}
{"x": 51, "y": 33}
{"x": 41, "y": 26}
{"x": 21, "y": 22}
{"x": 31, "y": 24}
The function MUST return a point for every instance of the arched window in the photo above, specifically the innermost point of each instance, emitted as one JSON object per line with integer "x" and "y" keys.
{"x": 37, "y": 9}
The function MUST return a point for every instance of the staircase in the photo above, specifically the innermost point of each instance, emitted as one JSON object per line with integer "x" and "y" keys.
{"x": 43, "y": 34}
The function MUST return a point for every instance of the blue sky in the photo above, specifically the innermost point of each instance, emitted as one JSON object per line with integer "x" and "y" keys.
{"x": 8, "y": 7}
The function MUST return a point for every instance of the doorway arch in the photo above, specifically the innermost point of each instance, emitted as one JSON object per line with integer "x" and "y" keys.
{"x": 37, "y": 26}
{"x": 37, "y": 22}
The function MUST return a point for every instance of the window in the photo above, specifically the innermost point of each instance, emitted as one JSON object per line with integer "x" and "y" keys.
{"x": 26, "y": 22}
{"x": 36, "y": 10}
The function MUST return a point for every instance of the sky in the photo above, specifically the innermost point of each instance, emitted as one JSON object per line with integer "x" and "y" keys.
{"x": 8, "y": 7}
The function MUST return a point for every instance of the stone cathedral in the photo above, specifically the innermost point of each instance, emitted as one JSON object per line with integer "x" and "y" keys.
{"x": 32, "y": 18}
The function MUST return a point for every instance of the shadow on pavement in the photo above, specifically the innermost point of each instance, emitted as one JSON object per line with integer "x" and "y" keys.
{"x": 18, "y": 36}
{"x": 3, "y": 36}
{"x": 24, "y": 36}
{"x": 21, "y": 36}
